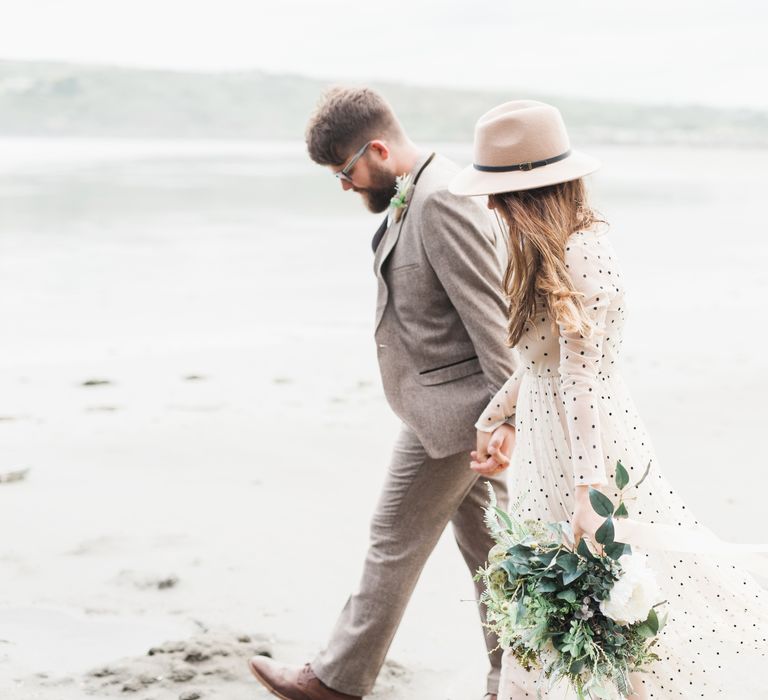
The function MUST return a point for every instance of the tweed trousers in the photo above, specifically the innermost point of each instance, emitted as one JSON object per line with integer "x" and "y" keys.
{"x": 421, "y": 495}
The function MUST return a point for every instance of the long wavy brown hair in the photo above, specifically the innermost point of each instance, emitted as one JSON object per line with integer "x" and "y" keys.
{"x": 539, "y": 222}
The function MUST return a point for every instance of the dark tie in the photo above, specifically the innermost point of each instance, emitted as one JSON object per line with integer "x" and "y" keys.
{"x": 379, "y": 234}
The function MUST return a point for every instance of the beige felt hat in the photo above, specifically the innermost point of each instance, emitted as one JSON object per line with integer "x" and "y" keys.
{"x": 521, "y": 145}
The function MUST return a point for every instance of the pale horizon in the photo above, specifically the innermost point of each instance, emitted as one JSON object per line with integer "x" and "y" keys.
{"x": 682, "y": 53}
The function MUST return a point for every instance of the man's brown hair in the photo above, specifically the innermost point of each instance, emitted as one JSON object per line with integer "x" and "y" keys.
{"x": 344, "y": 120}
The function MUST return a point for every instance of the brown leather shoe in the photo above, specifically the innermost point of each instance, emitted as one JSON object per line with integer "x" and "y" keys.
{"x": 293, "y": 683}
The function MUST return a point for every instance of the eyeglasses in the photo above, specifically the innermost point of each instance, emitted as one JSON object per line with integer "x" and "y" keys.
{"x": 345, "y": 173}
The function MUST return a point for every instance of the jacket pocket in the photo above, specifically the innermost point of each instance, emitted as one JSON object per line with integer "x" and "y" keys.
{"x": 450, "y": 372}
{"x": 407, "y": 266}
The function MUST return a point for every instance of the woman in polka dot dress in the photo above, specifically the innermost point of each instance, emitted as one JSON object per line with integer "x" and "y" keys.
{"x": 573, "y": 416}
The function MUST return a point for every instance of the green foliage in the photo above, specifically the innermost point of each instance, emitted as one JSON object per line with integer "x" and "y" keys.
{"x": 543, "y": 597}
{"x": 601, "y": 504}
{"x": 604, "y": 534}
{"x": 617, "y": 549}
{"x": 622, "y": 476}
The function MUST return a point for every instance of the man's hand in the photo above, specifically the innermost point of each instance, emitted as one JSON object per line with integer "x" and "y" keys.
{"x": 494, "y": 450}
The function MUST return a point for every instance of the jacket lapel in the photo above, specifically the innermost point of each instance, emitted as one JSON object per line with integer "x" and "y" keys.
{"x": 393, "y": 231}
{"x": 380, "y": 234}
{"x": 389, "y": 240}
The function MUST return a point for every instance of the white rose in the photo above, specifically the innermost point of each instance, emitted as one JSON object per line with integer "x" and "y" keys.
{"x": 634, "y": 594}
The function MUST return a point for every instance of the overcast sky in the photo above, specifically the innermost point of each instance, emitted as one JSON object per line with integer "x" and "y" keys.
{"x": 704, "y": 51}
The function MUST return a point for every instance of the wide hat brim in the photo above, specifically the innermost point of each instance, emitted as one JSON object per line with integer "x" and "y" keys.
{"x": 472, "y": 182}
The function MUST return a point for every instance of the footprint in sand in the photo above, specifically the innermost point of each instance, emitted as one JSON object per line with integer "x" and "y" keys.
{"x": 210, "y": 665}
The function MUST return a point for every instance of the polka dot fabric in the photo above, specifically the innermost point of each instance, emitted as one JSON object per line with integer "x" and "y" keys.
{"x": 575, "y": 419}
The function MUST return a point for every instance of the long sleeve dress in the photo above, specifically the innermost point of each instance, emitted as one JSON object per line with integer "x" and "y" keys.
{"x": 575, "y": 419}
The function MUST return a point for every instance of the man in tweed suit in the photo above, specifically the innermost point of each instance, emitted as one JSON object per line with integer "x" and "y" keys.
{"x": 440, "y": 326}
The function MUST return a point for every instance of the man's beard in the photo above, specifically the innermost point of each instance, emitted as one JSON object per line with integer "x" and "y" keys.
{"x": 379, "y": 194}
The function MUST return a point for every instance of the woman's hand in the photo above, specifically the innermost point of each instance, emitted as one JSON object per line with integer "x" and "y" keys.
{"x": 585, "y": 520}
{"x": 494, "y": 450}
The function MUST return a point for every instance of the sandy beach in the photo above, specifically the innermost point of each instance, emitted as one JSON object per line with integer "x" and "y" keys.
{"x": 190, "y": 402}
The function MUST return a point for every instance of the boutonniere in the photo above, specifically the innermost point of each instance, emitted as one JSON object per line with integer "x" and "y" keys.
{"x": 403, "y": 184}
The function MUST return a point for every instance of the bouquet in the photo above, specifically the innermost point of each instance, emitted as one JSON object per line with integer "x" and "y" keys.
{"x": 584, "y": 614}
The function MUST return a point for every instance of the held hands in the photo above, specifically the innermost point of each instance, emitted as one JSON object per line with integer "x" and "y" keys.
{"x": 494, "y": 450}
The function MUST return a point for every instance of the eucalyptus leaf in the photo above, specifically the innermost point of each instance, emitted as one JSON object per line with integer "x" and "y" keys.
{"x": 546, "y": 586}
{"x": 617, "y": 549}
{"x": 571, "y": 576}
{"x": 622, "y": 477}
{"x": 568, "y": 562}
{"x": 601, "y": 504}
{"x": 584, "y": 550}
{"x": 569, "y": 595}
{"x": 604, "y": 534}
{"x": 547, "y": 557}
{"x": 518, "y": 557}
{"x": 652, "y": 621}
{"x": 519, "y": 549}
{"x": 512, "y": 571}
{"x": 621, "y": 511}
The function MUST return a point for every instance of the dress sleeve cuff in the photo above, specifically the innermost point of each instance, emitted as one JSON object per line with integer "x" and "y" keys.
{"x": 487, "y": 424}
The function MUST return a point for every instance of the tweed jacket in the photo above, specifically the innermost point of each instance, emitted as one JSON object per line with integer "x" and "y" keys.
{"x": 440, "y": 325}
